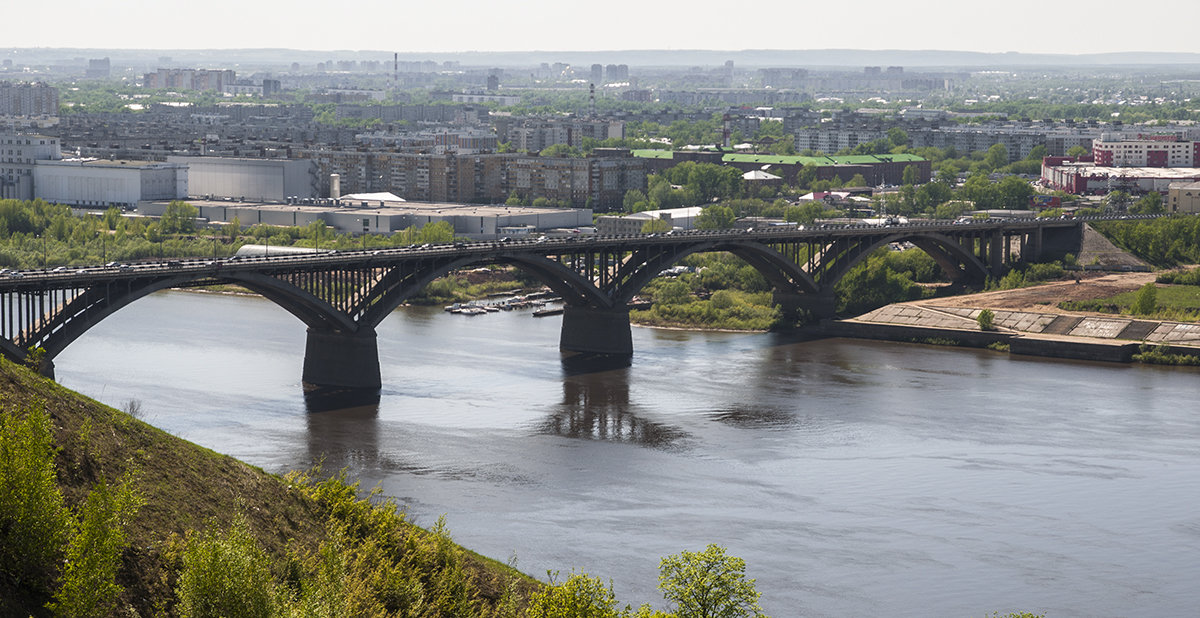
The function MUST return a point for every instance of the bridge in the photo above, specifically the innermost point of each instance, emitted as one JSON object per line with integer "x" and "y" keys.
{"x": 342, "y": 297}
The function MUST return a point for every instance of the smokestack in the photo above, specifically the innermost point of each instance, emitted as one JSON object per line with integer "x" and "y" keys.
{"x": 396, "y": 69}
{"x": 725, "y": 133}
{"x": 335, "y": 186}
{"x": 592, "y": 100}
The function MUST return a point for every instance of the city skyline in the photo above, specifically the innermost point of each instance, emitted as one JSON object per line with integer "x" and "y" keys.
{"x": 538, "y": 25}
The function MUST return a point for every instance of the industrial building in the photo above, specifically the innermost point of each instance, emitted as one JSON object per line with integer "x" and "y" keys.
{"x": 1084, "y": 176}
{"x": 101, "y": 183}
{"x": 678, "y": 218}
{"x": 1183, "y": 197}
{"x": 263, "y": 180}
{"x": 384, "y": 214}
{"x": 31, "y": 166}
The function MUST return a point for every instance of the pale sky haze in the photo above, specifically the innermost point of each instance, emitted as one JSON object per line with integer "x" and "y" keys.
{"x": 1031, "y": 26}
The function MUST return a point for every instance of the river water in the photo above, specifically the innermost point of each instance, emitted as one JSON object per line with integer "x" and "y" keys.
{"x": 856, "y": 478}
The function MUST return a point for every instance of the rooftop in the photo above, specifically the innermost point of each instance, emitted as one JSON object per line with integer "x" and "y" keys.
{"x": 794, "y": 160}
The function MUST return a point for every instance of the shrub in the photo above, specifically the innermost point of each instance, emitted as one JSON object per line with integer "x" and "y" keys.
{"x": 1146, "y": 300}
{"x": 986, "y": 319}
{"x": 226, "y": 575}
{"x": 34, "y": 523}
{"x": 581, "y": 596}
{"x": 88, "y": 584}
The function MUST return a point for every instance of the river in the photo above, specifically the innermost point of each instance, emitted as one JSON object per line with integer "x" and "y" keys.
{"x": 856, "y": 478}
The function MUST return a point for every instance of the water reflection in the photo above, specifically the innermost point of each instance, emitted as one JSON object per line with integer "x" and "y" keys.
{"x": 578, "y": 364}
{"x": 596, "y": 406}
{"x": 343, "y": 427}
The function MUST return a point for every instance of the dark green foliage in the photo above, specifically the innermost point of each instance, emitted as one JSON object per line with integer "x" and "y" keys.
{"x": 1180, "y": 277}
{"x": 1164, "y": 242}
{"x": 715, "y": 217}
{"x": 1161, "y": 355}
{"x": 885, "y": 277}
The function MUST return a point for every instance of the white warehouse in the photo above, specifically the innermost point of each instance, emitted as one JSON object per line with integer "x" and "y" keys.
{"x": 100, "y": 183}
{"x": 261, "y": 180}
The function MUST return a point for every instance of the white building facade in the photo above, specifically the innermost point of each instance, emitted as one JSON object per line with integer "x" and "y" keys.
{"x": 105, "y": 183}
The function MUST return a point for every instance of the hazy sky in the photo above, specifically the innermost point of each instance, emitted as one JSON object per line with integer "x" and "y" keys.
{"x": 493, "y": 25}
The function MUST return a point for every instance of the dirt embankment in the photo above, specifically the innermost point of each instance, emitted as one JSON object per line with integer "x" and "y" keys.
{"x": 1045, "y": 298}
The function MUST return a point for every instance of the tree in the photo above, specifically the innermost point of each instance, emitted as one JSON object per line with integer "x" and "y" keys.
{"x": 655, "y": 226}
{"x": 716, "y": 217}
{"x": 1146, "y": 300}
{"x": 996, "y": 157}
{"x": 1150, "y": 204}
{"x": 708, "y": 584}
{"x": 805, "y": 213}
{"x": 1013, "y": 193}
{"x": 1117, "y": 200}
{"x": 806, "y": 176}
{"x": 910, "y": 175}
{"x": 632, "y": 198}
{"x": 234, "y": 229}
{"x": 1077, "y": 151}
{"x": 673, "y": 292}
{"x": 897, "y": 136}
{"x": 179, "y": 218}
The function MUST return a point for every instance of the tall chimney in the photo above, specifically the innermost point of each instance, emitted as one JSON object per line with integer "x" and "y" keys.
{"x": 335, "y": 186}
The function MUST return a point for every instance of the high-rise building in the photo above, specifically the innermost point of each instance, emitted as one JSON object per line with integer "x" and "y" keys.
{"x": 28, "y": 99}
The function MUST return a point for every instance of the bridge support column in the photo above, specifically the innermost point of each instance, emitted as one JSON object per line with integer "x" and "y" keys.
{"x": 590, "y": 330}
{"x": 820, "y": 305}
{"x": 46, "y": 368}
{"x": 342, "y": 359}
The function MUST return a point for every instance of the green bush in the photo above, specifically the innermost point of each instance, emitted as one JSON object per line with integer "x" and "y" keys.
{"x": 88, "y": 585}
{"x": 34, "y": 523}
{"x": 1146, "y": 300}
{"x": 580, "y": 596}
{"x": 226, "y": 575}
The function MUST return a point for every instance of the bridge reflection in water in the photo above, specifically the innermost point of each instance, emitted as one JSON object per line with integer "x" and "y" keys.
{"x": 343, "y": 297}
{"x": 596, "y": 406}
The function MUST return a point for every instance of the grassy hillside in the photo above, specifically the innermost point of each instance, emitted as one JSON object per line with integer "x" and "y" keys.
{"x": 320, "y": 542}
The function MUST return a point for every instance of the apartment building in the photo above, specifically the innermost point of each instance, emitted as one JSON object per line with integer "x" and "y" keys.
{"x": 18, "y": 154}
{"x": 1146, "y": 150}
{"x": 28, "y": 99}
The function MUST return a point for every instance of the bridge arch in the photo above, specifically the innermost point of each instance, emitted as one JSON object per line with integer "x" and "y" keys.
{"x": 399, "y": 285}
{"x": 957, "y": 261}
{"x": 782, "y": 273}
{"x": 97, "y": 303}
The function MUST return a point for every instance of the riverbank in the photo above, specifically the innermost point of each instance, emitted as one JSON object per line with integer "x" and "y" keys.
{"x": 184, "y": 495}
{"x": 1028, "y": 321}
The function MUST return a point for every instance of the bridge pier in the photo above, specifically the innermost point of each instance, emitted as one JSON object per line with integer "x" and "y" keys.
{"x": 342, "y": 359}
{"x": 590, "y": 330}
{"x": 821, "y": 305}
{"x": 46, "y": 368}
